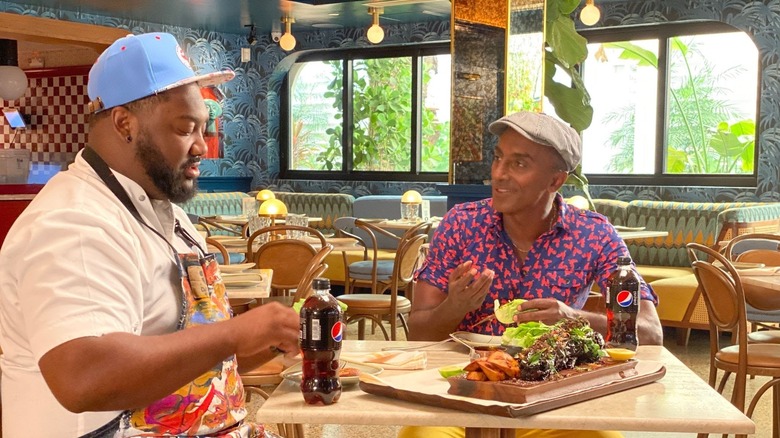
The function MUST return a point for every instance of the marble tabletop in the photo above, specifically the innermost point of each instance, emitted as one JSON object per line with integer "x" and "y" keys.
{"x": 679, "y": 402}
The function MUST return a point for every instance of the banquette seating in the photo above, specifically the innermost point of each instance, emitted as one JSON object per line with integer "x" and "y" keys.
{"x": 663, "y": 262}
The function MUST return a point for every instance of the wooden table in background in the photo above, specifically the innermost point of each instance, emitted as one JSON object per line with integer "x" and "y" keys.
{"x": 680, "y": 402}
{"x": 644, "y": 234}
{"x": 761, "y": 291}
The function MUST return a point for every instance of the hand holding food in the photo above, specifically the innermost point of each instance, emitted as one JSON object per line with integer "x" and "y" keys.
{"x": 505, "y": 314}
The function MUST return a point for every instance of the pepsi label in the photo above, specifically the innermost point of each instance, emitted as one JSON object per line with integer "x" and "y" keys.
{"x": 625, "y": 298}
{"x": 321, "y": 330}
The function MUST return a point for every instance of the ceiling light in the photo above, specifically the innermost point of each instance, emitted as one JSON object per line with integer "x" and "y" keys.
{"x": 13, "y": 81}
{"x": 375, "y": 33}
{"x": 590, "y": 14}
{"x": 252, "y": 37}
{"x": 287, "y": 41}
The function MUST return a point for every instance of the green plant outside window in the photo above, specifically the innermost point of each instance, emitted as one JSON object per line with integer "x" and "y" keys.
{"x": 709, "y": 84}
{"x": 382, "y": 126}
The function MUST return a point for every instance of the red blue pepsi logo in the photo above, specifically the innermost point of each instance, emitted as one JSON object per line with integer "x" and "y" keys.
{"x": 337, "y": 331}
{"x": 625, "y": 298}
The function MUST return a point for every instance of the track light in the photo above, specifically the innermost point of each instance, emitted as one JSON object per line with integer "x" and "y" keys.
{"x": 252, "y": 37}
{"x": 590, "y": 14}
{"x": 375, "y": 33}
{"x": 287, "y": 41}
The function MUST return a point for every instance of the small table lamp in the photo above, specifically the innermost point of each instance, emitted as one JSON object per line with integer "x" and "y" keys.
{"x": 272, "y": 208}
{"x": 264, "y": 195}
{"x": 410, "y": 205}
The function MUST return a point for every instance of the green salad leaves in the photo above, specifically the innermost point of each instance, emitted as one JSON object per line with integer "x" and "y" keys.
{"x": 524, "y": 334}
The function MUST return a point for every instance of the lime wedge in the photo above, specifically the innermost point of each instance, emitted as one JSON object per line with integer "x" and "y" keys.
{"x": 620, "y": 353}
{"x": 505, "y": 313}
{"x": 451, "y": 371}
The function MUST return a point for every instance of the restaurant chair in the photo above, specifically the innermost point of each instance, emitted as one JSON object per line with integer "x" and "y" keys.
{"x": 212, "y": 227}
{"x": 725, "y": 301}
{"x": 758, "y": 248}
{"x": 219, "y": 250}
{"x": 376, "y": 307}
{"x": 372, "y": 271}
{"x": 289, "y": 258}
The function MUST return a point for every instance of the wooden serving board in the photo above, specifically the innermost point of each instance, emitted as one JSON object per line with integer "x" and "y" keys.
{"x": 427, "y": 387}
{"x": 529, "y": 392}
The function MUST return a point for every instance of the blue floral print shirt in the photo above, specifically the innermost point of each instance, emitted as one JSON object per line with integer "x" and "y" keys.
{"x": 581, "y": 248}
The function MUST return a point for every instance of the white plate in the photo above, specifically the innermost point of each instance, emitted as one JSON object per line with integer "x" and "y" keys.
{"x": 477, "y": 340}
{"x": 624, "y": 228}
{"x": 231, "y": 279}
{"x": 238, "y": 267}
{"x": 241, "y": 283}
{"x": 294, "y": 372}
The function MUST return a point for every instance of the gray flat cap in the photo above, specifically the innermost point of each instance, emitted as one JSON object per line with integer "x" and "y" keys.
{"x": 545, "y": 130}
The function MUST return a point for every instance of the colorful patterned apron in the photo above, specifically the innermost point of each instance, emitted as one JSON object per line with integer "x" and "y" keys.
{"x": 213, "y": 404}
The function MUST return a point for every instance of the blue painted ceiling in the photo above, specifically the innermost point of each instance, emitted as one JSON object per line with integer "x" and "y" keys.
{"x": 232, "y": 15}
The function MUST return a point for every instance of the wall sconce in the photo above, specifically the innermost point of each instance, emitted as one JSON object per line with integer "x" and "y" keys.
{"x": 287, "y": 41}
{"x": 375, "y": 33}
{"x": 13, "y": 81}
{"x": 410, "y": 205}
{"x": 590, "y": 14}
{"x": 272, "y": 208}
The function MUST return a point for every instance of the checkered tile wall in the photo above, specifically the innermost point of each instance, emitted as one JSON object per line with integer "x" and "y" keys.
{"x": 57, "y": 106}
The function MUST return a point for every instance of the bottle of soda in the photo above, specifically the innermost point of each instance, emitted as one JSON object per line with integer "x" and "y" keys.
{"x": 622, "y": 306}
{"x": 322, "y": 329}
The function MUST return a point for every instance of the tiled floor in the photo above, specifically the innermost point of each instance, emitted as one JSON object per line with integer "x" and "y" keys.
{"x": 695, "y": 356}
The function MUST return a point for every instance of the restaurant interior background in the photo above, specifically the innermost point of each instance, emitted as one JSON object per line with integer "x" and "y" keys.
{"x": 251, "y": 122}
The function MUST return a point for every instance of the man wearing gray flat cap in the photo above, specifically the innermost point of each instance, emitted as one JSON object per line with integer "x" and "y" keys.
{"x": 523, "y": 242}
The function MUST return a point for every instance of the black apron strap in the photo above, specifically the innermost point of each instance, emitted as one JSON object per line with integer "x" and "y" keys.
{"x": 101, "y": 168}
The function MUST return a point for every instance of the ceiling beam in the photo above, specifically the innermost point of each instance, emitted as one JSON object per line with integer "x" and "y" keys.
{"x": 51, "y": 31}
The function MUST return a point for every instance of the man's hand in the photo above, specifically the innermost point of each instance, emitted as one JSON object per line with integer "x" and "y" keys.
{"x": 548, "y": 311}
{"x": 436, "y": 314}
{"x": 468, "y": 288}
{"x": 272, "y": 325}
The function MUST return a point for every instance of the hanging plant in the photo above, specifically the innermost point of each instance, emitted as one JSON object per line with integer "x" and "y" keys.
{"x": 566, "y": 49}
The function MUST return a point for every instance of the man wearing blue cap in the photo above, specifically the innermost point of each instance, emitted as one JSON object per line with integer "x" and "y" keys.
{"x": 522, "y": 243}
{"x": 113, "y": 319}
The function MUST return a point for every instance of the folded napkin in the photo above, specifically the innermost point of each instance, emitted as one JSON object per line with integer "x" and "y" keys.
{"x": 391, "y": 360}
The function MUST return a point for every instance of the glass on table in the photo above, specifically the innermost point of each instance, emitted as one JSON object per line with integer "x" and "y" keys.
{"x": 299, "y": 220}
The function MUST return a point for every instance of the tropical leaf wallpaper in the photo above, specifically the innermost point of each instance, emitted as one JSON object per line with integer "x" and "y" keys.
{"x": 251, "y": 107}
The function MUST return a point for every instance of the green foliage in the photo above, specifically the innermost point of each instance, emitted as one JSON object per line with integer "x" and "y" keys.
{"x": 381, "y": 120}
{"x": 700, "y": 140}
{"x": 566, "y": 49}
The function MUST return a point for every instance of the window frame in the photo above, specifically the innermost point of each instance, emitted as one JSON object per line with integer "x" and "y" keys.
{"x": 416, "y": 52}
{"x": 663, "y": 32}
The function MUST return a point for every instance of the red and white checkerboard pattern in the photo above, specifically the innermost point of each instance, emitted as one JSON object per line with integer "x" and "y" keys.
{"x": 57, "y": 106}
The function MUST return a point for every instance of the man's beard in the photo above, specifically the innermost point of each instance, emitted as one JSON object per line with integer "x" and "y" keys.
{"x": 169, "y": 181}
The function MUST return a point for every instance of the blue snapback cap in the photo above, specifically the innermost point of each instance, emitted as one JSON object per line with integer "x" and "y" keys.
{"x": 139, "y": 66}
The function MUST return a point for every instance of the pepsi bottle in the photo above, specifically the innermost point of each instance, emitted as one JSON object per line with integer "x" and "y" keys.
{"x": 321, "y": 331}
{"x": 622, "y": 306}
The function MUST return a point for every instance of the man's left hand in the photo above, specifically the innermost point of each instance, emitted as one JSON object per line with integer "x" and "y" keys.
{"x": 547, "y": 310}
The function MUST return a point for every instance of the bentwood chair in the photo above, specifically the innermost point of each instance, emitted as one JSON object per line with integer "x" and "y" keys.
{"x": 372, "y": 271}
{"x": 217, "y": 247}
{"x": 725, "y": 301}
{"x": 758, "y": 248}
{"x": 289, "y": 258}
{"x": 393, "y": 307}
